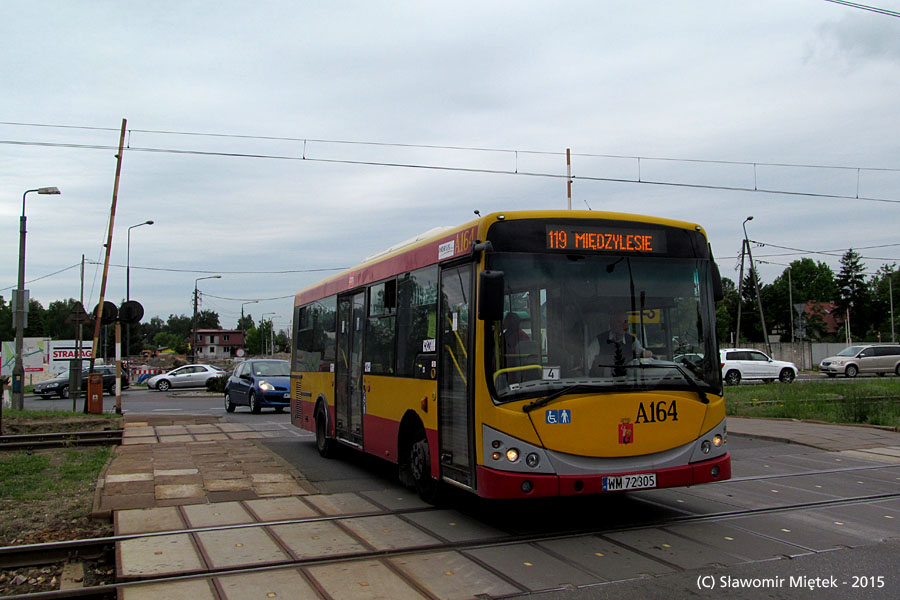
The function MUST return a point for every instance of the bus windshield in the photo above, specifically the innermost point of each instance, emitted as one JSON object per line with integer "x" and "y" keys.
{"x": 602, "y": 323}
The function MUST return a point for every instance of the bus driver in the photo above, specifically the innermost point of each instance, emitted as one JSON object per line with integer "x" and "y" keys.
{"x": 615, "y": 347}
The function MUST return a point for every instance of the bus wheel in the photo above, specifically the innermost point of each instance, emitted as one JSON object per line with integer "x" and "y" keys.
{"x": 420, "y": 468}
{"x": 324, "y": 444}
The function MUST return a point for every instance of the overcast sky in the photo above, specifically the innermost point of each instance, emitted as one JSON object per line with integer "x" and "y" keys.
{"x": 780, "y": 82}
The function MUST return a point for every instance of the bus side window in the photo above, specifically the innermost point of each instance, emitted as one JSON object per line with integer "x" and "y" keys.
{"x": 416, "y": 319}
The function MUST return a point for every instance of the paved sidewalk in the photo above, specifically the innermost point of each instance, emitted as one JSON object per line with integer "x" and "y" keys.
{"x": 170, "y": 461}
{"x": 825, "y": 436}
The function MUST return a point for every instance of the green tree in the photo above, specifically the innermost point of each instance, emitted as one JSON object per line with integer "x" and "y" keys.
{"x": 208, "y": 319}
{"x": 853, "y": 293}
{"x": 55, "y": 323}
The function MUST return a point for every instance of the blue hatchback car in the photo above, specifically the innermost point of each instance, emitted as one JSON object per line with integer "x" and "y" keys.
{"x": 258, "y": 384}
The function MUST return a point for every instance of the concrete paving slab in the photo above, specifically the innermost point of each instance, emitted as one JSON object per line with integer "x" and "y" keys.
{"x": 737, "y": 542}
{"x": 844, "y": 485}
{"x": 800, "y": 530}
{"x": 158, "y": 555}
{"x": 148, "y": 520}
{"x": 280, "y": 509}
{"x": 314, "y": 539}
{"x": 210, "y": 437}
{"x": 135, "y": 441}
{"x": 223, "y": 485}
{"x": 398, "y": 498}
{"x": 886, "y": 455}
{"x": 197, "y": 589}
{"x": 868, "y": 521}
{"x": 220, "y": 513}
{"x": 345, "y": 503}
{"x": 531, "y": 567}
{"x": 687, "y": 500}
{"x": 281, "y": 488}
{"x": 169, "y": 492}
{"x": 124, "y": 477}
{"x": 239, "y": 547}
{"x": 175, "y": 472}
{"x": 673, "y": 549}
{"x": 389, "y": 532}
{"x": 610, "y": 561}
{"x": 175, "y": 439}
{"x": 288, "y": 584}
{"x": 454, "y": 526}
{"x": 452, "y": 576}
{"x": 367, "y": 580}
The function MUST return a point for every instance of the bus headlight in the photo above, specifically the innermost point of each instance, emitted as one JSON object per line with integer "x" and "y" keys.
{"x": 532, "y": 459}
{"x": 717, "y": 440}
{"x": 512, "y": 455}
{"x": 496, "y": 455}
{"x": 705, "y": 446}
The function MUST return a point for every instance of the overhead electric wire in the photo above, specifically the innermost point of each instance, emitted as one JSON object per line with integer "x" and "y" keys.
{"x": 874, "y": 9}
{"x": 78, "y": 264}
{"x": 221, "y": 272}
{"x": 837, "y": 253}
{"x": 515, "y": 171}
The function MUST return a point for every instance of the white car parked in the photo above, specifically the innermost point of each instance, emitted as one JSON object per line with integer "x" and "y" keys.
{"x": 747, "y": 363}
{"x": 186, "y": 376}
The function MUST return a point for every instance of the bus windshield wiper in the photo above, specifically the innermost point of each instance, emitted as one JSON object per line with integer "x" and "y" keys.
{"x": 547, "y": 399}
{"x": 687, "y": 377}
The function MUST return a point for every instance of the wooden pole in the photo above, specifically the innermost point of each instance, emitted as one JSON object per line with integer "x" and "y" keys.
{"x": 112, "y": 222}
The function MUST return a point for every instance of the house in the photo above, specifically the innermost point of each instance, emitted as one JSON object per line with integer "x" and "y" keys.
{"x": 218, "y": 344}
{"x": 831, "y": 316}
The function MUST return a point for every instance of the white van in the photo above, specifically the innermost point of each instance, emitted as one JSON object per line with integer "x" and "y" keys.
{"x": 864, "y": 358}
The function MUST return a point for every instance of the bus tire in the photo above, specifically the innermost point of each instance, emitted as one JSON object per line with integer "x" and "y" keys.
{"x": 420, "y": 468}
{"x": 324, "y": 444}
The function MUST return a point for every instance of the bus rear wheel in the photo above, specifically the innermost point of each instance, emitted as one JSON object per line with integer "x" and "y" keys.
{"x": 420, "y": 468}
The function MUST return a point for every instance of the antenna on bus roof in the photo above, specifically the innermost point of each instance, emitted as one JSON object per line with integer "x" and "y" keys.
{"x": 477, "y": 212}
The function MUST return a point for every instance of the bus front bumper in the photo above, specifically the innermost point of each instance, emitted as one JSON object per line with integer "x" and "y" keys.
{"x": 493, "y": 483}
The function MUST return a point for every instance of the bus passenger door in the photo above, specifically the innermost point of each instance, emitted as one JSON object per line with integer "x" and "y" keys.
{"x": 454, "y": 389}
{"x": 348, "y": 392}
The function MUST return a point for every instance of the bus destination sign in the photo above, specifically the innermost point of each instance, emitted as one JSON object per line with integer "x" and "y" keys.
{"x": 605, "y": 239}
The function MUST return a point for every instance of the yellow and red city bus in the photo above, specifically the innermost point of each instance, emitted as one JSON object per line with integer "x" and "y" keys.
{"x": 475, "y": 356}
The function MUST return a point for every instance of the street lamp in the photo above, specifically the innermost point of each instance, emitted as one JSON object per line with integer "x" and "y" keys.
{"x": 18, "y": 381}
{"x": 194, "y": 330}
{"x": 128, "y": 284}
{"x": 244, "y": 329}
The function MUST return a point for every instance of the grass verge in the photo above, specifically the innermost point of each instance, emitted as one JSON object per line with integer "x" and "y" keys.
{"x": 871, "y": 401}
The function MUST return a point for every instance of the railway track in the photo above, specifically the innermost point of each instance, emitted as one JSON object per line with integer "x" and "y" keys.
{"x": 81, "y": 548}
{"x": 61, "y": 440}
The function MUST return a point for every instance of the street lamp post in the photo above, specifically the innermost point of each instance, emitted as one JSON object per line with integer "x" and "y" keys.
{"x": 18, "y": 381}
{"x": 194, "y": 329}
{"x": 128, "y": 284}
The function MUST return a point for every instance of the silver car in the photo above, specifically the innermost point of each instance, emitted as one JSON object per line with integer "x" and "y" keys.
{"x": 183, "y": 377}
{"x": 865, "y": 358}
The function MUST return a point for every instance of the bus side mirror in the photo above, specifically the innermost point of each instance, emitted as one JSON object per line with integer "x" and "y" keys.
{"x": 490, "y": 295}
{"x": 718, "y": 292}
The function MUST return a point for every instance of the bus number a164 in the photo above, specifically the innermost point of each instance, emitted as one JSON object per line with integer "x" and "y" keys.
{"x": 659, "y": 412}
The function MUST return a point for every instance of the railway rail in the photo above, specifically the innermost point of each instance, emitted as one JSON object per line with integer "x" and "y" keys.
{"x": 61, "y": 440}
{"x": 10, "y": 556}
